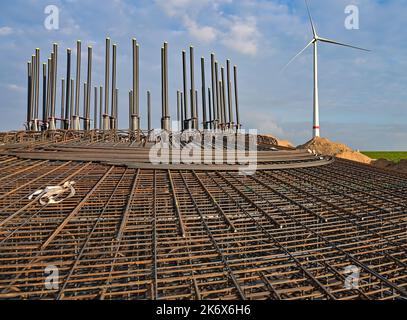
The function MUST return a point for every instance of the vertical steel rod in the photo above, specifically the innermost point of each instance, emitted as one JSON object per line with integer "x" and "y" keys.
{"x": 205, "y": 120}
{"x": 229, "y": 88}
{"x": 148, "y": 112}
{"x": 214, "y": 86}
{"x": 72, "y": 105}
{"x": 29, "y": 101}
{"x": 95, "y": 111}
{"x": 107, "y": 81}
{"x": 194, "y": 118}
{"x": 224, "y": 115}
{"x": 55, "y": 78}
{"x": 37, "y": 83}
{"x": 44, "y": 94}
{"x": 33, "y": 77}
{"x": 167, "y": 113}
{"x": 68, "y": 88}
{"x": 62, "y": 120}
{"x": 49, "y": 83}
{"x": 85, "y": 94}
{"x": 130, "y": 110}
{"x": 101, "y": 108}
{"x": 182, "y": 112}
{"x": 88, "y": 89}
{"x": 217, "y": 95}
{"x": 162, "y": 88}
{"x": 210, "y": 109}
{"x": 138, "y": 83}
{"x": 116, "y": 114}
{"x": 78, "y": 76}
{"x": 134, "y": 91}
{"x": 185, "y": 94}
{"x": 178, "y": 109}
{"x": 114, "y": 75}
{"x": 238, "y": 124}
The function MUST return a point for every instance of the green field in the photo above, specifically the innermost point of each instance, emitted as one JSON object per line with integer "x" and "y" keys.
{"x": 394, "y": 156}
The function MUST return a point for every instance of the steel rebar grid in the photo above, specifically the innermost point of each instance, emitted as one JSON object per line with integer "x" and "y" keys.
{"x": 203, "y": 235}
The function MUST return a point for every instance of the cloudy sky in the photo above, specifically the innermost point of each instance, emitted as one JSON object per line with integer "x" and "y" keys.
{"x": 363, "y": 96}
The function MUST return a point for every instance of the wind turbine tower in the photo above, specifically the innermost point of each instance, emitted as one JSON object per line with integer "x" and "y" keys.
{"x": 315, "y": 40}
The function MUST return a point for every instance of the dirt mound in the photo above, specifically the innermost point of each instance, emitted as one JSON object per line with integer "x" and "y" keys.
{"x": 325, "y": 147}
{"x": 355, "y": 156}
{"x": 285, "y": 143}
{"x": 328, "y": 148}
{"x": 383, "y": 164}
{"x": 281, "y": 143}
{"x": 389, "y": 165}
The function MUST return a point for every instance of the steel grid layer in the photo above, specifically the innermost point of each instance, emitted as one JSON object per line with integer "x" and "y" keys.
{"x": 133, "y": 233}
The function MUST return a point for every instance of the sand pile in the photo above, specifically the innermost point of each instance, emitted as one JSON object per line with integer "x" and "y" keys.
{"x": 390, "y": 165}
{"x": 326, "y": 147}
{"x": 285, "y": 143}
{"x": 281, "y": 143}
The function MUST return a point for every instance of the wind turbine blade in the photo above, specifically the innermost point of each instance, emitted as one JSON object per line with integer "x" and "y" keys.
{"x": 341, "y": 44}
{"x": 298, "y": 54}
{"x": 310, "y": 20}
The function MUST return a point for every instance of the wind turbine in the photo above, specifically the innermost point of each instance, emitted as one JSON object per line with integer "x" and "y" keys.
{"x": 314, "y": 41}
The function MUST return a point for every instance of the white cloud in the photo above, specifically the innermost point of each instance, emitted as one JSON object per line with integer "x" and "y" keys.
{"x": 243, "y": 35}
{"x": 175, "y": 7}
{"x": 5, "y": 31}
{"x": 16, "y": 88}
{"x": 205, "y": 33}
{"x": 237, "y": 33}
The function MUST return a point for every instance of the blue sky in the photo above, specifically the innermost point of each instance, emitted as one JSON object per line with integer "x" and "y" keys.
{"x": 363, "y": 96}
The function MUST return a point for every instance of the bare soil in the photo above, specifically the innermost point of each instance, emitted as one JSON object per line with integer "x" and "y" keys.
{"x": 326, "y": 147}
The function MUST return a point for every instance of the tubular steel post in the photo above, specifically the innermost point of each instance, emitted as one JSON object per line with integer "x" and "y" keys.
{"x": 185, "y": 94}
{"x": 37, "y": 85}
{"x": 33, "y": 77}
{"x": 162, "y": 89}
{"x": 205, "y": 121}
{"x": 229, "y": 88}
{"x": 165, "y": 120}
{"x": 167, "y": 113}
{"x": 101, "y": 108}
{"x": 44, "y": 95}
{"x": 29, "y": 101}
{"x": 85, "y": 110}
{"x": 238, "y": 124}
{"x": 178, "y": 110}
{"x": 88, "y": 89}
{"x": 49, "y": 84}
{"x": 95, "y": 111}
{"x": 68, "y": 88}
{"x": 55, "y": 78}
{"x": 115, "y": 118}
{"x": 107, "y": 81}
{"x": 138, "y": 85}
{"x": 134, "y": 91}
{"x": 52, "y": 124}
{"x": 217, "y": 99}
{"x": 224, "y": 115}
{"x": 135, "y": 116}
{"x": 149, "y": 112}
{"x": 221, "y": 106}
{"x": 62, "y": 120}
{"x": 78, "y": 76}
{"x": 114, "y": 75}
{"x": 211, "y": 126}
{"x": 182, "y": 112}
{"x": 130, "y": 110}
{"x": 72, "y": 106}
{"x": 214, "y": 94}
{"x": 194, "y": 118}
